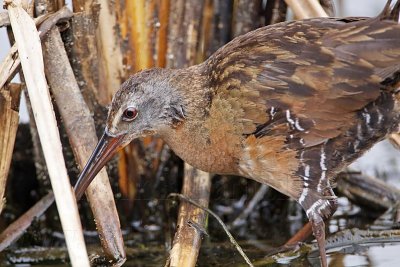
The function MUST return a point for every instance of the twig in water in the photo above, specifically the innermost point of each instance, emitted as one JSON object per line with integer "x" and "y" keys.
{"x": 231, "y": 238}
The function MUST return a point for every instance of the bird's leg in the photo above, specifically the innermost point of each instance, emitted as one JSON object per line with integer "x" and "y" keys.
{"x": 318, "y": 228}
{"x": 317, "y": 197}
{"x": 319, "y": 206}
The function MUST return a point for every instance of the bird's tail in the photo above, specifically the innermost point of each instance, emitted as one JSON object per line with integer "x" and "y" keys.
{"x": 390, "y": 73}
{"x": 389, "y": 12}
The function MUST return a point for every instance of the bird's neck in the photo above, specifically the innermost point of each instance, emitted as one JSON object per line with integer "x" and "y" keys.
{"x": 194, "y": 139}
{"x": 191, "y": 86}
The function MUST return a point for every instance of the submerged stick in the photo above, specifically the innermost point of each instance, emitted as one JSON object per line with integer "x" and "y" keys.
{"x": 29, "y": 48}
{"x": 15, "y": 230}
{"x": 367, "y": 191}
{"x": 81, "y": 133}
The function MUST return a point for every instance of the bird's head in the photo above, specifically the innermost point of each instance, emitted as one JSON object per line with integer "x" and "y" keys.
{"x": 146, "y": 104}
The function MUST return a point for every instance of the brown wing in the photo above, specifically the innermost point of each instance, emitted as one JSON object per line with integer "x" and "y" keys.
{"x": 312, "y": 75}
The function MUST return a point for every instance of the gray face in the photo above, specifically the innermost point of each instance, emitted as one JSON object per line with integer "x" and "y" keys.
{"x": 144, "y": 105}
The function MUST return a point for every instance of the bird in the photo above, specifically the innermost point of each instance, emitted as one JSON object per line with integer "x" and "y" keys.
{"x": 288, "y": 105}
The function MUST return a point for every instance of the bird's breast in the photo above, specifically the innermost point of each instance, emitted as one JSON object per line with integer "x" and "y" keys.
{"x": 194, "y": 146}
{"x": 212, "y": 143}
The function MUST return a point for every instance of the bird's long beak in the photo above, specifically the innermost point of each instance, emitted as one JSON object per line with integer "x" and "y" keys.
{"x": 105, "y": 149}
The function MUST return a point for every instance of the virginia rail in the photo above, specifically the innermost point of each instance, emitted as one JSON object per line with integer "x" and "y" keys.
{"x": 289, "y": 105}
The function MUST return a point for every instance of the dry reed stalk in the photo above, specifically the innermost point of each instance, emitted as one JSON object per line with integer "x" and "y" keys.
{"x": 275, "y": 12}
{"x": 221, "y": 31}
{"x": 245, "y": 16}
{"x": 139, "y": 13}
{"x": 29, "y": 48}
{"x": 11, "y": 65}
{"x": 111, "y": 68}
{"x": 304, "y": 9}
{"x": 328, "y": 6}
{"x": 142, "y": 24}
{"x": 161, "y": 44}
{"x": 81, "y": 133}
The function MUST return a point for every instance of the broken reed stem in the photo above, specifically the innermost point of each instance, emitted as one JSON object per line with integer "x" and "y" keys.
{"x": 231, "y": 238}
{"x": 11, "y": 62}
{"x": 187, "y": 240}
{"x": 30, "y": 51}
{"x": 4, "y": 19}
{"x": 9, "y": 103}
{"x": 161, "y": 40}
{"x": 81, "y": 133}
{"x": 355, "y": 236}
{"x": 328, "y": 6}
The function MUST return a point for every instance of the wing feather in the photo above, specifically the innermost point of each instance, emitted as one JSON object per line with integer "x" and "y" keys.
{"x": 314, "y": 74}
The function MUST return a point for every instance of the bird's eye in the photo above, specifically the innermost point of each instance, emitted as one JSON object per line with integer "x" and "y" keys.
{"x": 130, "y": 114}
